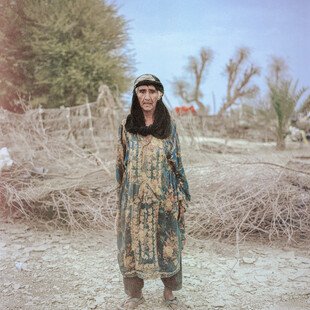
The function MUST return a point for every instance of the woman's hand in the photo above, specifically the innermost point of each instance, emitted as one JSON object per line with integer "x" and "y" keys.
{"x": 181, "y": 211}
{"x": 181, "y": 220}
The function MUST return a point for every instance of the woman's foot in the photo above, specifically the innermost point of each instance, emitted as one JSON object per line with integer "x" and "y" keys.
{"x": 173, "y": 304}
{"x": 131, "y": 303}
{"x": 170, "y": 301}
{"x": 168, "y": 295}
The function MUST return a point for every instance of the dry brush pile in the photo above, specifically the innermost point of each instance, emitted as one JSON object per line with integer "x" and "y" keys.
{"x": 63, "y": 164}
{"x": 60, "y": 179}
{"x": 237, "y": 200}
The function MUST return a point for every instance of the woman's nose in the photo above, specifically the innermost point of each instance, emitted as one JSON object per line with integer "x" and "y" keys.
{"x": 147, "y": 96}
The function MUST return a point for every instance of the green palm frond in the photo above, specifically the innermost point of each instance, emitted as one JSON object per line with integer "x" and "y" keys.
{"x": 305, "y": 105}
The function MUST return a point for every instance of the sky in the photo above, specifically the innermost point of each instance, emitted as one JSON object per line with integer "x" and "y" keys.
{"x": 164, "y": 33}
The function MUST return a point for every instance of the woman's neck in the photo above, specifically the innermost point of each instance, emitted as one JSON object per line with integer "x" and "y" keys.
{"x": 149, "y": 119}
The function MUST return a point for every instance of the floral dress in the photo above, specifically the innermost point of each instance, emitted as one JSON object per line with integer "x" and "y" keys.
{"x": 152, "y": 188}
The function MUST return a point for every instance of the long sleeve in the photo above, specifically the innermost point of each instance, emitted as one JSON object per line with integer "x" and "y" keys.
{"x": 177, "y": 166}
{"x": 120, "y": 151}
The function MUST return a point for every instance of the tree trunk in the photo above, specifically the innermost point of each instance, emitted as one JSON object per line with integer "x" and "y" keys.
{"x": 224, "y": 107}
{"x": 280, "y": 140}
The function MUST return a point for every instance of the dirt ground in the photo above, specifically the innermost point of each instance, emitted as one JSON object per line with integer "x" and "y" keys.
{"x": 42, "y": 268}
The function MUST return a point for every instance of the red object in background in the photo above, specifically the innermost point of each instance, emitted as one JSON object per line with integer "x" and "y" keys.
{"x": 183, "y": 110}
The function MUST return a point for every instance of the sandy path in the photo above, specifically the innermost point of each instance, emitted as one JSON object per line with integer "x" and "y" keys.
{"x": 42, "y": 269}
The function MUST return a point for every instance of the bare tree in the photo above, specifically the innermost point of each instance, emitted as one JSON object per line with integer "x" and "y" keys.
{"x": 278, "y": 69}
{"x": 239, "y": 75}
{"x": 197, "y": 68}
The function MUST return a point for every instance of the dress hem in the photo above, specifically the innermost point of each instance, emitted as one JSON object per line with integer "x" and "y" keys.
{"x": 153, "y": 275}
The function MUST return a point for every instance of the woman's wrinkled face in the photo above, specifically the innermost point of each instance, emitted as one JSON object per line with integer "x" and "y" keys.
{"x": 148, "y": 96}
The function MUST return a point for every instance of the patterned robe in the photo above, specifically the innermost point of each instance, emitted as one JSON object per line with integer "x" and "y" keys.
{"x": 152, "y": 188}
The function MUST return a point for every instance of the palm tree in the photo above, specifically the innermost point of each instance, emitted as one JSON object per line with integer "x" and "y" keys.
{"x": 284, "y": 96}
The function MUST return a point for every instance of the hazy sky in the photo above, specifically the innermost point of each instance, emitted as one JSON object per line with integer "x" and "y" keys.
{"x": 164, "y": 33}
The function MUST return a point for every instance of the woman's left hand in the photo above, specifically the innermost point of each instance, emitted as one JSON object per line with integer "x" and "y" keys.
{"x": 181, "y": 211}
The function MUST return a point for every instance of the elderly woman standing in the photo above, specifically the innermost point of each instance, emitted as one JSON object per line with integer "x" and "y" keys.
{"x": 152, "y": 195}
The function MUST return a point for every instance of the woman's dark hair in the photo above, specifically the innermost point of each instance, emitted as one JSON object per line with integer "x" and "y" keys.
{"x": 135, "y": 122}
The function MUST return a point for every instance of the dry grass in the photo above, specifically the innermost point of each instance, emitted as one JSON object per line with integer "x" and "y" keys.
{"x": 63, "y": 174}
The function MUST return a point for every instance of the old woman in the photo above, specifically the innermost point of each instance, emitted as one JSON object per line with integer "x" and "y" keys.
{"x": 153, "y": 194}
